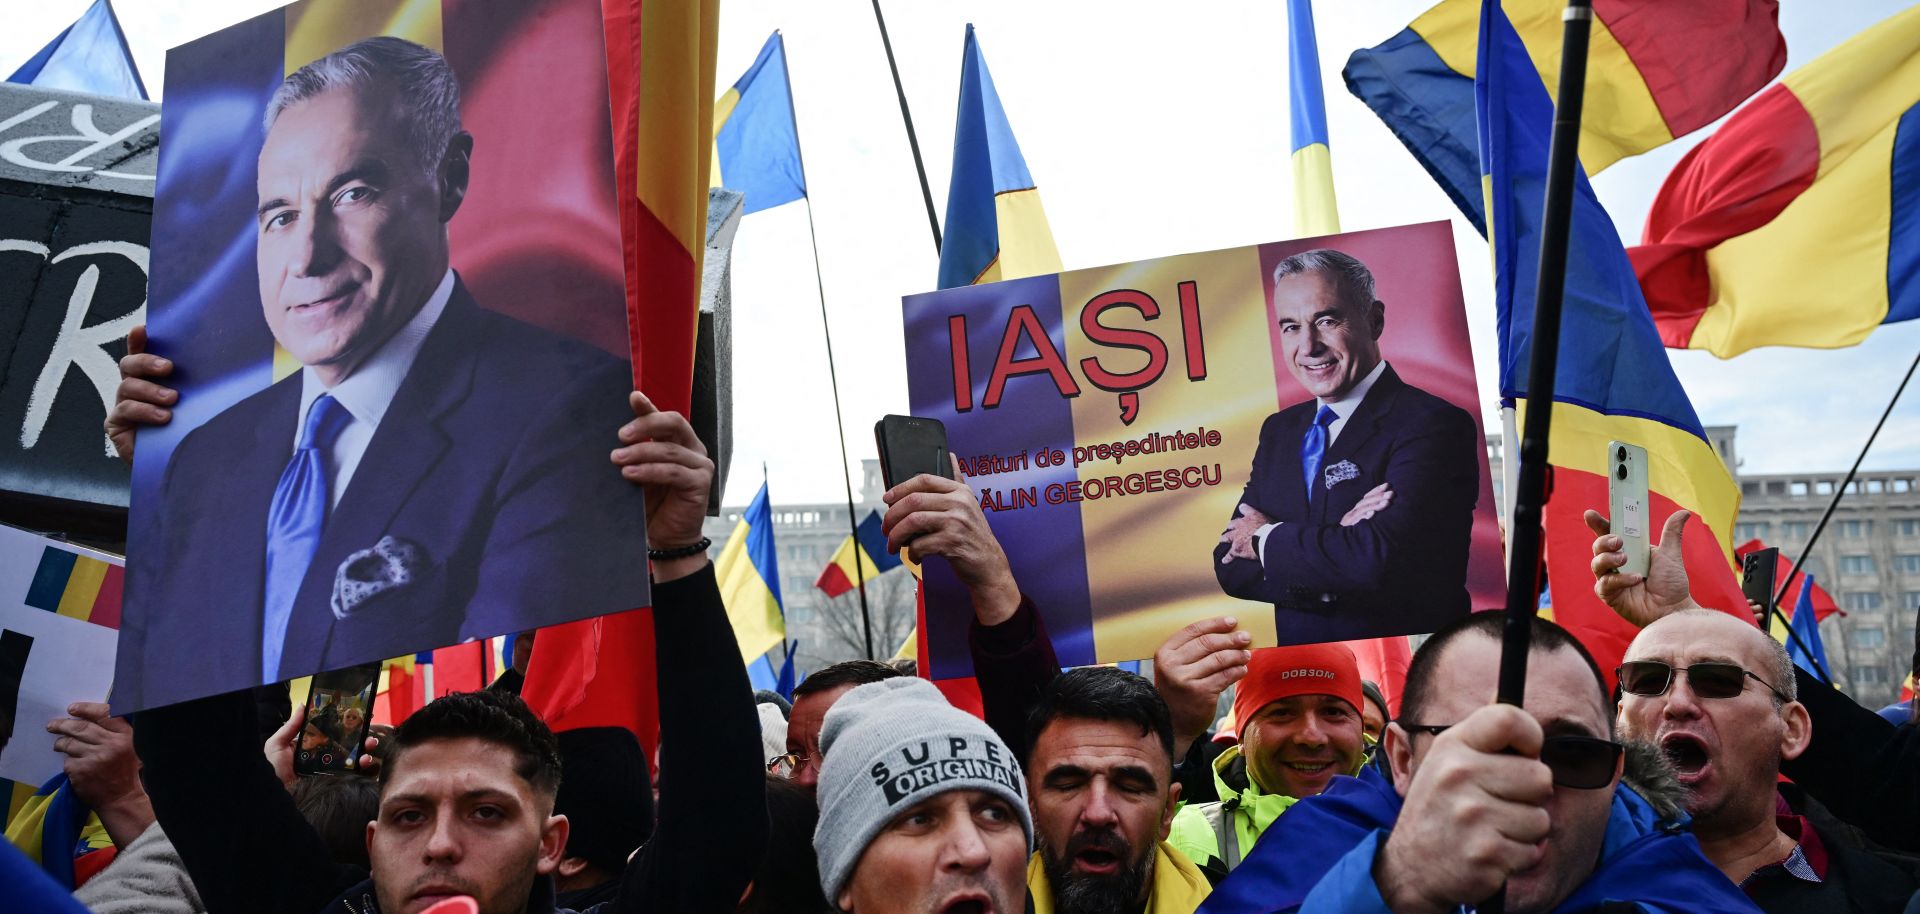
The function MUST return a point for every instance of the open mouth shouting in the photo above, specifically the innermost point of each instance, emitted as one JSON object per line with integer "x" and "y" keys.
{"x": 972, "y": 902}
{"x": 1689, "y": 755}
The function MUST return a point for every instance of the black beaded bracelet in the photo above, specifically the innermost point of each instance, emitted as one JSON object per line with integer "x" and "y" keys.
{"x": 680, "y": 552}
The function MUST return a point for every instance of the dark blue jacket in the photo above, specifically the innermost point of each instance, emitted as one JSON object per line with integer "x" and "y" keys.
{"x": 1318, "y": 859}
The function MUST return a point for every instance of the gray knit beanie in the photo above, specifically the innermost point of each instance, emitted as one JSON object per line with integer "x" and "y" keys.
{"x": 890, "y": 745}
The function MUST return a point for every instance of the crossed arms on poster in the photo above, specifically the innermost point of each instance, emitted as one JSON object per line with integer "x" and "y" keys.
{"x": 1360, "y": 502}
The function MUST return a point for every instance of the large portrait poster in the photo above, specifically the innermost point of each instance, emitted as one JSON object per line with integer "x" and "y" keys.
{"x": 1287, "y": 434}
{"x": 387, "y": 265}
{"x": 59, "y": 607}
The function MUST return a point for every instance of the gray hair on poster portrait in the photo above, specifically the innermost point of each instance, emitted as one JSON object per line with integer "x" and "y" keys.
{"x": 1351, "y": 278}
{"x": 410, "y": 72}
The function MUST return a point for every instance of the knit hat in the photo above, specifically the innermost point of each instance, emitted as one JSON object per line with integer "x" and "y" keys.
{"x": 1305, "y": 669}
{"x": 889, "y": 746}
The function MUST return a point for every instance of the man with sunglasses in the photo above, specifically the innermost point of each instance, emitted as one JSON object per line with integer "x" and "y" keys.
{"x": 1689, "y": 685}
{"x": 1476, "y": 795}
{"x": 1862, "y": 769}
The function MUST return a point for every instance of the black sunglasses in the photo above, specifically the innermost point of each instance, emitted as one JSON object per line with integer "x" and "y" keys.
{"x": 1579, "y": 762}
{"x": 1652, "y": 678}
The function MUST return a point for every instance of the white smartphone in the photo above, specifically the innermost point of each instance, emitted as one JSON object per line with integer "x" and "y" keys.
{"x": 1627, "y": 501}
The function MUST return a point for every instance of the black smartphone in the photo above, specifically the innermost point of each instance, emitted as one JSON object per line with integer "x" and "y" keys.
{"x": 1757, "y": 573}
{"x": 909, "y": 446}
{"x": 339, "y": 714}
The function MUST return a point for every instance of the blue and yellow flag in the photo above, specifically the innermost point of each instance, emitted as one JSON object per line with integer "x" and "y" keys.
{"x": 749, "y": 577}
{"x": 756, "y": 141}
{"x": 996, "y": 228}
{"x": 91, "y": 55}
{"x": 1614, "y": 380}
{"x": 1314, "y": 209}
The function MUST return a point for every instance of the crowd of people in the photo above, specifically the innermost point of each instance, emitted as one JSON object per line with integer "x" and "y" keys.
{"x": 1714, "y": 777}
{"x": 1718, "y": 777}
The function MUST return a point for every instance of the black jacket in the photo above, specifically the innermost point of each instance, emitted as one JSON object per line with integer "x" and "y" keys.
{"x": 1861, "y": 878}
{"x": 249, "y": 850}
{"x": 1865, "y": 770}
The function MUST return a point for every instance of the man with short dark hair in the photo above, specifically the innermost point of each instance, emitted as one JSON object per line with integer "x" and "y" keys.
{"x": 811, "y": 699}
{"x": 1481, "y": 795}
{"x": 1100, "y": 779}
{"x": 469, "y": 782}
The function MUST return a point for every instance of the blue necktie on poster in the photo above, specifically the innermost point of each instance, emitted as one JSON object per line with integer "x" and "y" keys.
{"x": 1313, "y": 448}
{"x": 294, "y": 522}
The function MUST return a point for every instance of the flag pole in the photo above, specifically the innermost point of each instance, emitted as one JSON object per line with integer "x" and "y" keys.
{"x": 833, "y": 377}
{"x": 913, "y": 142}
{"x": 1523, "y": 567}
{"x": 1523, "y": 560}
{"x": 1839, "y": 492}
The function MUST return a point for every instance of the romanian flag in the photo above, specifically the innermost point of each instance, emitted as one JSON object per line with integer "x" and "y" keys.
{"x": 52, "y": 827}
{"x": 77, "y": 586}
{"x": 660, "y": 60}
{"x": 996, "y": 228}
{"x": 1650, "y": 77}
{"x": 749, "y": 577}
{"x": 1805, "y": 627}
{"x": 1614, "y": 378}
{"x": 1314, "y": 210}
{"x": 868, "y": 548}
{"x": 91, "y": 55}
{"x": 756, "y": 141}
{"x": 1798, "y": 222}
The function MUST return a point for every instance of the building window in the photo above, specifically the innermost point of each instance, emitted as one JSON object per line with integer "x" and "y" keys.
{"x": 1910, "y": 599}
{"x": 1753, "y": 531}
{"x": 1796, "y": 529}
{"x": 1856, "y": 529}
{"x": 1797, "y": 489}
{"x": 1856, "y": 564}
{"x": 1870, "y": 675}
{"x": 1860, "y": 599}
{"x": 1907, "y": 563}
{"x": 1901, "y": 486}
{"x": 1869, "y": 638}
{"x": 1823, "y": 487}
{"x": 1876, "y": 486}
{"x": 1749, "y": 488}
{"x": 1907, "y": 526}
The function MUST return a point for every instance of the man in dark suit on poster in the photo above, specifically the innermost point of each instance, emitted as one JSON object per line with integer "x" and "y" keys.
{"x": 434, "y": 472}
{"x": 1358, "y": 515}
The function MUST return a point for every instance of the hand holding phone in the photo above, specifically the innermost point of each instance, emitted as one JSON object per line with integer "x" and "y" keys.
{"x": 910, "y": 446}
{"x": 1757, "y": 578}
{"x": 339, "y": 714}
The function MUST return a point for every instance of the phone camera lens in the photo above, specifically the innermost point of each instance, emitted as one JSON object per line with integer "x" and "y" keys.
{"x": 1620, "y": 455}
{"x": 1621, "y": 472}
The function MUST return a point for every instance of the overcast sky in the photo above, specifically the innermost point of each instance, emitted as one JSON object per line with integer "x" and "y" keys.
{"x": 1151, "y": 130}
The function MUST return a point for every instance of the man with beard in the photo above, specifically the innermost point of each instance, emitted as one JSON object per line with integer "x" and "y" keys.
{"x": 1298, "y": 716}
{"x": 922, "y": 807}
{"x": 1717, "y": 695}
{"x": 1100, "y": 774}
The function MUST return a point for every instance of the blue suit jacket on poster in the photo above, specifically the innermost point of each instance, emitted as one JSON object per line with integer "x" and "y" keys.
{"x": 489, "y": 469}
{"x": 1404, "y": 570}
{"x": 1317, "y": 858}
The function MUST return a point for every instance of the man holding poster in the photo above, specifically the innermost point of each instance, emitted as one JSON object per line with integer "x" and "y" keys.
{"x": 1360, "y": 505}
{"x": 430, "y": 465}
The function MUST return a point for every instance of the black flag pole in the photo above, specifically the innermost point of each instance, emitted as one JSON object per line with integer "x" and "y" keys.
{"x": 1523, "y": 560}
{"x": 1530, "y": 495}
{"x": 913, "y": 140}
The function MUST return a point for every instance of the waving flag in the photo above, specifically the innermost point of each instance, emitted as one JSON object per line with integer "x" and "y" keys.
{"x": 749, "y": 577}
{"x": 91, "y": 55}
{"x": 996, "y": 228}
{"x": 868, "y": 549}
{"x": 1825, "y": 165}
{"x": 1649, "y": 78}
{"x": 1314, "y": 210}
{"x": 1614, "y": 378}
{"x": 1806, "y": 631}
{"x": 754, "y": 134}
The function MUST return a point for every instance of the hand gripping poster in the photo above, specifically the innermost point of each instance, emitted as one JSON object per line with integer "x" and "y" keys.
{"x": 387, "y": 269}
{"x": 1286, "y": 433}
